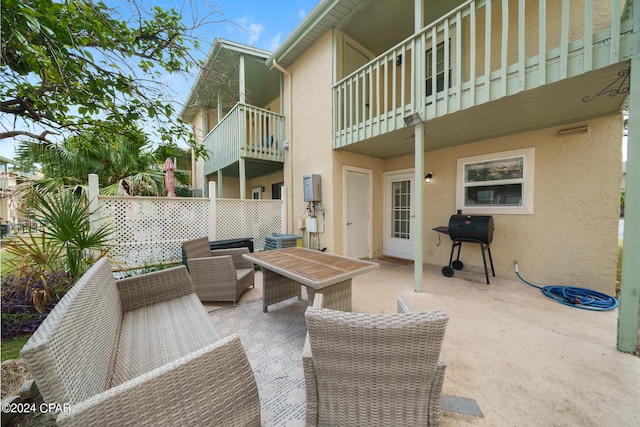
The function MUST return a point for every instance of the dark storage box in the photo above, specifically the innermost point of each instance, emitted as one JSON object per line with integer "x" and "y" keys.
{"x": 246, "y": 242}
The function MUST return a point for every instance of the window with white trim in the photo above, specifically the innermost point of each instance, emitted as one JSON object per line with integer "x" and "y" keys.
{"x": 497, "y": 183}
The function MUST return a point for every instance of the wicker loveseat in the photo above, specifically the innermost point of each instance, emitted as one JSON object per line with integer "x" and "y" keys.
{"x": 140, "y": 351}
{"x": 373, "y": 369}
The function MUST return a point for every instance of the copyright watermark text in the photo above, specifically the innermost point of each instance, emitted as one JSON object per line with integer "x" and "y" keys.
{"x": 30, "y": 407}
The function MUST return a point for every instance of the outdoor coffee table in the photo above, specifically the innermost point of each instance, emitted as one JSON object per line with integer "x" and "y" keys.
{"x": 284, "y": 270}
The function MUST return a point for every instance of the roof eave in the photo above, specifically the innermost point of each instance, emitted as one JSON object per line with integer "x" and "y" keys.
{"x": 311, "y": 21}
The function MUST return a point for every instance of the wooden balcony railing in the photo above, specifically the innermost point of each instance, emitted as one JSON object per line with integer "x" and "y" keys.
{"x": 246, "y": 131}
{"x": 479, "y": 52}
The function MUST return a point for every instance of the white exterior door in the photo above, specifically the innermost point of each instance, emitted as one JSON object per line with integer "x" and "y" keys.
{"x": 358, "y": 216}
{"x": 399, "y": 221}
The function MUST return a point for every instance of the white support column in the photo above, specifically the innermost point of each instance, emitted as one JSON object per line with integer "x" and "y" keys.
{"x": 220, "y": 112}
{"x": 212, "y": 211}
{"x": 243, "y": 179}
{"x": 220, "y": 184}
{"x": 418, "y": 15}
{"x": 283, "y": 213}
{"x": 630, "y": 281}
{"x": 94, "y": 203}
{"x": 242, "y": 80}
{"x": 418, "y": 210}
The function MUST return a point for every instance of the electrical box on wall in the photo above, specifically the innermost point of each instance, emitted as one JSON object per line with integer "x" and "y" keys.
{"x": 312, "y": 188}
{"x": 312, "y": 225}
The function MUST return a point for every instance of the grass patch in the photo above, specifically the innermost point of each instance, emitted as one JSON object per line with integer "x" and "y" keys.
{"x": 11, "y": 348}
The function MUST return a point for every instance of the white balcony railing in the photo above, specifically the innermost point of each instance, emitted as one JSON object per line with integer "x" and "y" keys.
{"x": 484, "y": 50}
{"x": 246, "y": 131}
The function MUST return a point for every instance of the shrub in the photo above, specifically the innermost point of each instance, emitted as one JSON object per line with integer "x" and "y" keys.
{"x": 27, "y": 299}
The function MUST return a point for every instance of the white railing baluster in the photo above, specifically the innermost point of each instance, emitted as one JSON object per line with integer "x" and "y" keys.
{"x": 445, "y": 70}
{"x": 458, "y": 63}
{"x": 614, "y": 55}
{"x": 487, "y": 52}
{"x": 504, "y": 49}
{"x": 542, "y": 42}
{"x": 564, "y": 38}
{"x": 472, "y": 55}
{"x": 588, "y": 36}
{"x": 521, "y": 44}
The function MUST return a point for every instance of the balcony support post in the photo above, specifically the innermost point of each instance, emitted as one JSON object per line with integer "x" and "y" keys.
{"x": 419, "y": 207}
{"x": 220, "y": 184}
{"x": 243, "y": 179}
{"x": 419, "y": 156}
{"x": 242, "y": 80}
{"x": 630, "y": 280}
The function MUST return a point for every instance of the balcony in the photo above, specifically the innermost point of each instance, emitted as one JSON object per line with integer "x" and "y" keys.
{"x": 249, "y": 133}
{"x": 487, "y": 69}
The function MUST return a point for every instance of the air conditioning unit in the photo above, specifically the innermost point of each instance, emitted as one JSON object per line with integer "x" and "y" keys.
{"x": 279, "y": 241}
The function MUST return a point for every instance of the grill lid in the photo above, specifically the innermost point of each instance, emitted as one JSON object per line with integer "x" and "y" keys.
{"x": 474, "y": 227}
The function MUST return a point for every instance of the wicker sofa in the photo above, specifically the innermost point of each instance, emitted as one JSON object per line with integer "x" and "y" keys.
{"x": 140, "y": 351}
{"x": 373, "y": 369}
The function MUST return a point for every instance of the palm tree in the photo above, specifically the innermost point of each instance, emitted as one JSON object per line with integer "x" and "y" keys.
{"x": 124, "y": 166}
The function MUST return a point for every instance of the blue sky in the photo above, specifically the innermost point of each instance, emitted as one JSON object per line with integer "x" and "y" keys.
{"x": 260, "y": 23}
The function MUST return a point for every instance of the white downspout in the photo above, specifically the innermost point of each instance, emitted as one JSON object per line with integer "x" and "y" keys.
{"x": 289, "y": 132}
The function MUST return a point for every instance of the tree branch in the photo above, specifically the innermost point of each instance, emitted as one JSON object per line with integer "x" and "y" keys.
{"x": 42, "y": 137}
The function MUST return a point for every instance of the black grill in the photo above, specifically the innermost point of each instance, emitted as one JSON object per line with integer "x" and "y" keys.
{"x": 470, "y": 229}
{"x": 473, "y": 227}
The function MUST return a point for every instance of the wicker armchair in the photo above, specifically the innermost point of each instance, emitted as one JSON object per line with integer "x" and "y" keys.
{"x": 373, "y": 369}
{"x": 220, "y": 274}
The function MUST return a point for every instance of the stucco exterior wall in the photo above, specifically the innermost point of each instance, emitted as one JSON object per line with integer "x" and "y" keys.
{"x": 266, "y": 182}
{"x": 197, "y": 165}
{"x": 310, "y": 149}
{"x": 571, "y": 238}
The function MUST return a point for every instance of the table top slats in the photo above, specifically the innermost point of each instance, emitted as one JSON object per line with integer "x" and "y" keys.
{"x": 312, "y": 268}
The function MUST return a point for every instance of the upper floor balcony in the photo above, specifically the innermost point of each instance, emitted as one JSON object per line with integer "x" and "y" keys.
{"x": 246, "y": 134}
{"x": 489, "y": 68}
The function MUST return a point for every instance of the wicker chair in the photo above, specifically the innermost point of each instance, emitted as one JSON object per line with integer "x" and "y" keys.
{"x": 373, "y": 369}
{"x": 220, "y": 274}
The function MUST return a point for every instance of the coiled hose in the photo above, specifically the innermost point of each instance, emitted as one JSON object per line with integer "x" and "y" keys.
{"x": 587, "y": 299}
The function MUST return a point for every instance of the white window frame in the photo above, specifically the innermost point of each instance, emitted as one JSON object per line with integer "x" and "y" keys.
{"x": 527, "y": 181}
{"x": 256, "y": 191}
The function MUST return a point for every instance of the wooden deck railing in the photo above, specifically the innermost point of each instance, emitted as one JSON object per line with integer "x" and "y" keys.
{"x": 246, "y": 131}
{"x": 484, "y": 50}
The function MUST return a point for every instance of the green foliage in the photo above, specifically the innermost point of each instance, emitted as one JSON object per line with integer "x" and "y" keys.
{"x": 68, "y": 237}
{"x": 124, "y": 166}
{"x": 77, "y": 67}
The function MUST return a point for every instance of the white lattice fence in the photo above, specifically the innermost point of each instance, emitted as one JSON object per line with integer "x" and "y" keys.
{"x": 150, "y": 230}
{"x": 248, "y": 218}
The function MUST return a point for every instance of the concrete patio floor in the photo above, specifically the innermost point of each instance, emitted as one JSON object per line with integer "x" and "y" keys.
{"x": 525, "y": 359}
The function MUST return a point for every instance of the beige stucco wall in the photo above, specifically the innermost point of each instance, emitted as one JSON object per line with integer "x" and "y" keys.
{"x": 310, "y": 135}
{"x": 571, "y": 238}
{"x": 197, "y": 166}
{"x": 266, "y": 182}
{"x": 231, "y": 185}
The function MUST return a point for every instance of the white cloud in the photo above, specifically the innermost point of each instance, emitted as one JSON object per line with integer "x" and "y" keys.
{"x": 274, "y": 42}
{"x": 253, "y": 30}
{"x": 302, "y": 13}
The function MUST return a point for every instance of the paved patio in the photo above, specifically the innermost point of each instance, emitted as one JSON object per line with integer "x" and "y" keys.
{"x": 524, "y": 358}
